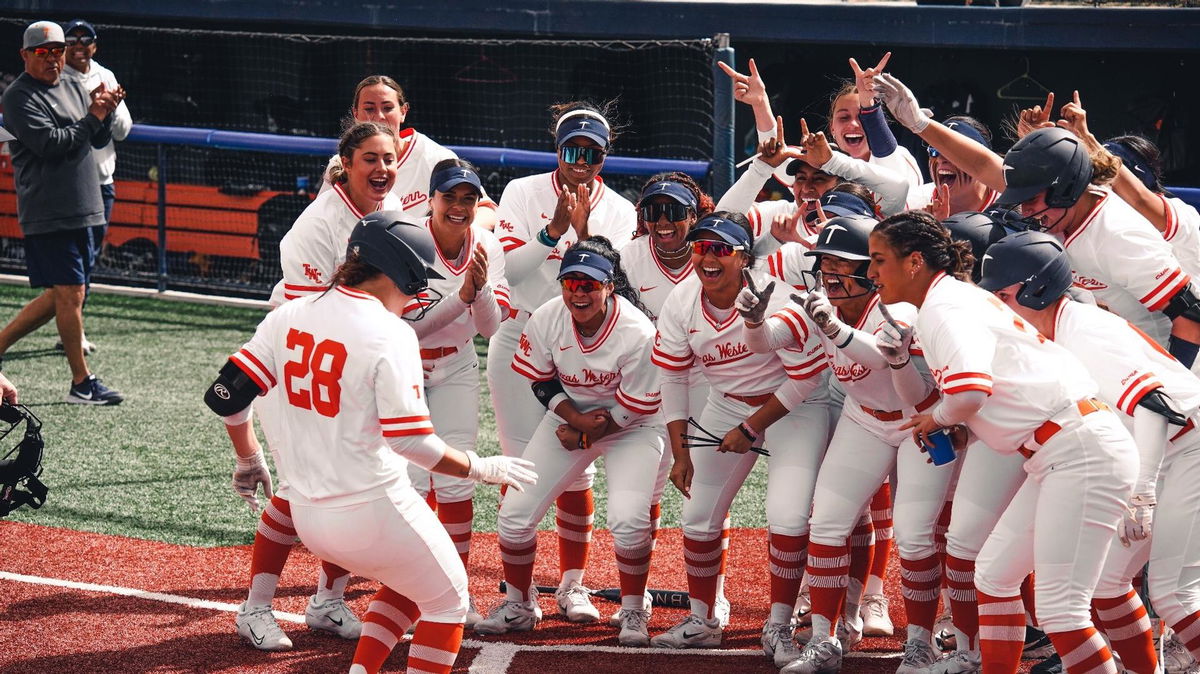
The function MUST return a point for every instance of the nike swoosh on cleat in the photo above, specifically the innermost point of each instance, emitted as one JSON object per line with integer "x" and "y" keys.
{"x": 511, "y": 620}
{"x": 337, "y": 622}
{"x": 687, "y": 635}
{"x": 257, "y": 639}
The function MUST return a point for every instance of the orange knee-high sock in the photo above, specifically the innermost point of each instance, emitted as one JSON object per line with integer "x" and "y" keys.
{"x": 960, "y": 581}
{"x": 1125, "y": 621}
{"x": 331, "y": 583}
{"x": 388, "y": 617}
{"x": 1027, "y": 586}
{"x": 881, "y": 519}
{"x": 272, "y": 544}
{"x": 655, "y": 523}
{"x": 920, "y": 585}
{"x": 517, "y": 559}
{"x": 786, "y": 558}
{"x": 576, "y": 512}
{"x": 1001, "y": 632}
{"x": 456, "y": 518}
{"x": 1188, "y": 631}
{"x": 703, "y": 560}
{"x": 1083, "y": 651}
{"x": 828, "y": 575}
{"x": 434, "y": 647}
{"x": 633, "y": 568}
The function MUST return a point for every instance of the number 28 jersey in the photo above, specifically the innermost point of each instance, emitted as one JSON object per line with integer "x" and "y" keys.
{"x": 350, "y": 374}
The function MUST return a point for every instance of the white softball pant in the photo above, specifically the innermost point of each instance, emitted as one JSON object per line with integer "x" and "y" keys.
{"x": 452, "y": 394}
{"x": 987, "y": 483}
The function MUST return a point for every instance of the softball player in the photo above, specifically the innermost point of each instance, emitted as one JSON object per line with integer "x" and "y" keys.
{"x": 587, "y": 356}
{"x": 1050, "y": 175}
{"x": 952, "y": 188}
{"x": 867, "y": 446}
{"x": 1159, "y": 399}
{"x": 540, "y": 217}
{"x": 379, "y": 98}
{"x": 352, "y": 415}
{"x": 1019, "y": 393}
{"x": 748, "y": 393}
{"x": 473, "y": 298}
{"x": 310, "y": 254}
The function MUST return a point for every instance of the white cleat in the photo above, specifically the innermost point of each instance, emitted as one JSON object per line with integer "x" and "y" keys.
{"x": 647, "y": 605}
{"x": 849, "y": 635}
{"x": 691, "y": 632}
{"x": 510, "y": 616}
{"x": 575, "y": 604}
{"x": 721, "y": 611}
{"x": 944, "y": 638}
{"x": 1176, "y": 657}
{"x": 918, "y": 656}
{"x": 473, "y": 614}
{"x": 779, "y": 644}
{"x": 634, "y": 630}
{"x": 332, "y": 616}
{"x": 803, "y": 612}
{"x": 874, "y": 613}
{"x": 257, "y": 625}
{"x": 819, "y": 656}
{"x": 958, "y": 662}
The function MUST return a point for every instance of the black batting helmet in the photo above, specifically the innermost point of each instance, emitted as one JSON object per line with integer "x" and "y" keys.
{"x": 847, "y": 237}
{"x": 978, "y": 229}
{"x": 1035, "y": 260}
{"x": 404, "y": 252}
{"x": 1048, "y": 160}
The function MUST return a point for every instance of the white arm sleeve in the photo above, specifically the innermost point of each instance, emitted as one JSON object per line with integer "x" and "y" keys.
{"x": 425, "y": 450}
{"x": 773, "y": 334}
{"x": 675, "y": 395}
{"x": 794, "y": 392}
{"x": 239, "y": 418}
{"x": 910, "y": 385}
{"x": 1150, "y": 432}
{"x": 862, "y": 349}
{"x": 891, "y": 187}
{"x": 958, "y": 407}
{"x": 485, "y": 311}
{"x": 740, "y": 197}
{"x": 441, "y": 315}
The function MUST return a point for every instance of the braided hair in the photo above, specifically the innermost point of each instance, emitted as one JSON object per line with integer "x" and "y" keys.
{"x": 601, "y": 246}
{"x": 919, "y": 232}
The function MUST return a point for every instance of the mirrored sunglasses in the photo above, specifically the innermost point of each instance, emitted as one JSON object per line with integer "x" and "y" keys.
{"x": 716, "y": 248}
{"x": 572, "y": 153}
{"x": 84, "y": 40}
{"x": 586, "y": 285}
{"x": 653, "y": 212}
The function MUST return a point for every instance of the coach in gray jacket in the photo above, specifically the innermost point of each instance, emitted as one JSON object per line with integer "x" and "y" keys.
{"x": 56, "y": 123}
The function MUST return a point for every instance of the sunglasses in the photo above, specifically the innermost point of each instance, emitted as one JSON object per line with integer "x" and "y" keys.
{"x": 586, "y": 285}
{"x": 84, "y": 40}
{"x": 572, "y": 153}
{"x": 717, "y": 248}
{"x": 47, "y": 51}
{"x": 674, "y": 212}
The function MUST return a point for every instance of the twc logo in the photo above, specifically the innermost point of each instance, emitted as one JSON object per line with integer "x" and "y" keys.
{"x": 315, "y": 274}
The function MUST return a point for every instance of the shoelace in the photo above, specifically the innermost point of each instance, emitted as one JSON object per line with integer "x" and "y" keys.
{"x": 635, "y": 620}
{"x": 913, "y": 652}
{"x": 578, "y": 595}
{"x": 875, "y": 608}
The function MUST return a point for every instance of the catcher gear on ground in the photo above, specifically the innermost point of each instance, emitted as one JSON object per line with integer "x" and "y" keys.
{"x": 1035, "y": 260}
{"x": 404, "y": 252}
{"x": 19, "y": 483}
{"x": 232, "y": 392}
{"x": 1049, "y": 160}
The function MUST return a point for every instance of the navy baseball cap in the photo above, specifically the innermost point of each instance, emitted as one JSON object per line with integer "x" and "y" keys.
{"x": 729, "y": 231}
{"x": 80, "y": 24}
{"x": 592, "y": 265}
{"x": 1134, "y": 162}
{"x": 670, "y": 188}
{"x": 844, "y": 203}
{"x": 586, "y": 123}
{"x": 453, "y": 176}
{"x": 964, "y": 129}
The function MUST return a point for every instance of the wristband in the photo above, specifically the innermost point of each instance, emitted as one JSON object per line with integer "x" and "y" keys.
{"x": 544, "y": 238}
{"x": 584, "y": 441}
{"x": 901, "y": 366}
{"x": 849, "y": 338}
{"x": 750, "y": 433}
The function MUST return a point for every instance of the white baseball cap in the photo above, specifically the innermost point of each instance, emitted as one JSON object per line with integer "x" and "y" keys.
{"x": 43, "y": 32}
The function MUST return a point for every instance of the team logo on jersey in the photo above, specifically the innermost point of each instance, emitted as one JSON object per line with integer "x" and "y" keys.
{"x": 505, "y": 225}
{"x": 1089, "y": 283}
{"x": 727, "y": 352}
{"x": 524, "y": 345}
{"x": 938, "y": 373}
{"x": 412, "y": 199}
{"x": 314, "y": 274}
{"x": 851, "y": 373}
{"x": 598, "y": 378}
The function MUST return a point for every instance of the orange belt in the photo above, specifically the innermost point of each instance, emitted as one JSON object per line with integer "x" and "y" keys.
{"x": 440, "y": 352}
{"x": 1049, "y": 429}
{"x": 753, "y": 401}
{"x": 897, "y": 415}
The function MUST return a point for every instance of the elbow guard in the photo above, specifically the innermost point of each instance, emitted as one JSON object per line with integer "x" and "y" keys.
{"x": 547, "y": 391}
{"x": 1183, "y": 303}
{"x": 1160, "y": 403}
{"x": 232, "y": 392}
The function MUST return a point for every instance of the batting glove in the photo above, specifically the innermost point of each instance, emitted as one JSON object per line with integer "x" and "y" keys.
{"x": 751, "y": 302}
{"x": 893, "y": 341}
{"x": 248, "y": 475}
{"x": 1139, "y": 517}
{"x": 508, "y": 470}
{"x": 816, "y": 304}
{"x": 900, "y": 102}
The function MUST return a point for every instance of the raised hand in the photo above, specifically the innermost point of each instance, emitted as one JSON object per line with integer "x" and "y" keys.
{"x": 900, "y": 101}
{"x": 476, "y": 276}
{"x": 1037, "y": 117}
{"x": 562, "y": 213}
{"x": 749, "y": 89}
{"x": 751, "y": 302}
{"x": 863, "y": 80}
{"x": 893, "y": 339}
{"x": 939, "y": 206}
{"x": 775, "y": 151}
{"x": 785, "y": 227}
{"x": 581, "y": 212}
{"x": 816, "y": 304}
{"x": 816, "y": 147}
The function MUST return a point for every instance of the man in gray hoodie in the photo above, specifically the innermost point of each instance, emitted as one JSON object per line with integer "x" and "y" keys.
{"x": 56, "y": 123}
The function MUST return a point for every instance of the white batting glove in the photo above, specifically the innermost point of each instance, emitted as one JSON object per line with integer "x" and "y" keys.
{"x": 1138, "y": 520}
{"x": 816, "y": 304}
{"x": 901, "y": 102}
{"x": 248, "y": 474}
{"x": 893, "y": 342}
{"x": 509, "y": 470}
{"x": 751, "y": 302}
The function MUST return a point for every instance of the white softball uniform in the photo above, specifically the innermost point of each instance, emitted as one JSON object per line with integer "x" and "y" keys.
{"x": 349, "y": 377}
{"x": 790, "y": 263}
{"x": 691, "y": 331}
{"x": 1119, "y": 256}
{"x": 1081, "y": 461}
{"x": 1183, "y": 233}
{"x": 448, "y": 358}
{"x": 414, "y": 167}
{"x": 526, "y": 207}
{"x": 610, "y": 371}
{"x": 1127, "y": 364}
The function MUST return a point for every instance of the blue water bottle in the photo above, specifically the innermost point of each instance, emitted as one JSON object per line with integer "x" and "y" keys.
{"x": 940, "y": 448}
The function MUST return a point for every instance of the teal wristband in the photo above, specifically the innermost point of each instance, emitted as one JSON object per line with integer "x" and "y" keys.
{"x": 543, "y": 238}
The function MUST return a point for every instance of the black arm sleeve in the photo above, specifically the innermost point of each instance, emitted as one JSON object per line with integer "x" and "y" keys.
{"x": 232, "y": 392}
{"x": 545, "y": 391}
{"x": 1159, "y": 402}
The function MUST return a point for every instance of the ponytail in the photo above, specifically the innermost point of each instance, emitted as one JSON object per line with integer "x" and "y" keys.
{"x": 919, "y": 232}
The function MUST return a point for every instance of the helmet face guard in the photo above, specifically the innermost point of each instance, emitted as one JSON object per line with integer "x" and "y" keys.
{"x": 813, "y": 279}
{"x": 422, "y": 303}
{"x": 19, "y": 483}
